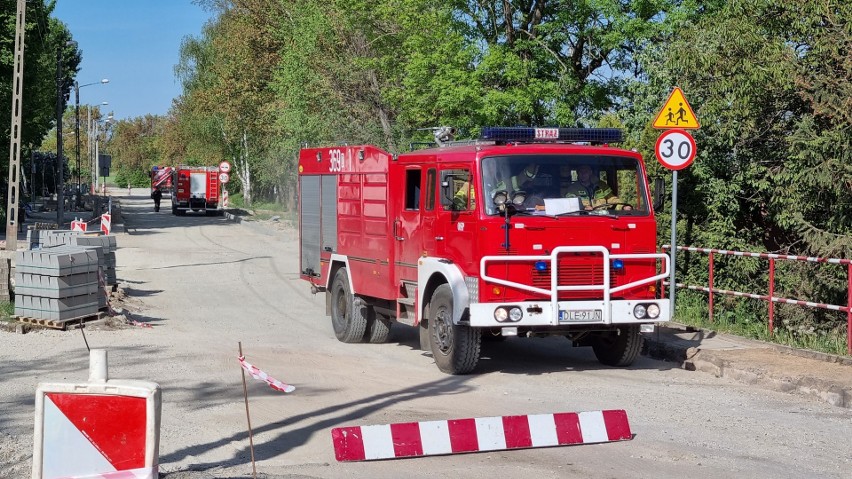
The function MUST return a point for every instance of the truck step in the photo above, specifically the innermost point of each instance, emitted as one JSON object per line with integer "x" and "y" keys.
{"x": 405, "y": 301}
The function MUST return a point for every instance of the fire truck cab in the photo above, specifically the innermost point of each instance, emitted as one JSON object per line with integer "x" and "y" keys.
{"x": 524, "y": 232}
{"x": 161, "y": 179}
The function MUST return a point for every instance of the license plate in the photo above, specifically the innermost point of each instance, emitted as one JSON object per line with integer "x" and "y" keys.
{"x": 580, "y": 315}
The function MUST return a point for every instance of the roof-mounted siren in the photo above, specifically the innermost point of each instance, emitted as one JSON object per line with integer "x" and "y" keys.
{"x": 551, "y": 135}
{"x": 444, "y": 134}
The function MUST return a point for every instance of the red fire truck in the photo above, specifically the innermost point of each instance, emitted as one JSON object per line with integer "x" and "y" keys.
{"x": 196, "y": 188}
{"x": 161, "y": 179}
{"x": 466, "y": 241}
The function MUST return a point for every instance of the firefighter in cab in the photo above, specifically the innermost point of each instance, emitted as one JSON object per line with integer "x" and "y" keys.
{"x": 592, "y": 192}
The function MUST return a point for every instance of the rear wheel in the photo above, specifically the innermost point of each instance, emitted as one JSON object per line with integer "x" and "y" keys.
{"x": 378, "y": 328}
{"x": 348, "y": 313}
{"x": 618, "y": 348}
{"x": 455, "y": 347}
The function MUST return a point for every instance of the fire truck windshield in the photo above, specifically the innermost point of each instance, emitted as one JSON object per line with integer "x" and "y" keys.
{"x": 564, "y": 184}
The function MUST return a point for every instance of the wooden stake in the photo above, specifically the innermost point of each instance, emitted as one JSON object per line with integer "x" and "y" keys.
{"x": 248, "y": 417}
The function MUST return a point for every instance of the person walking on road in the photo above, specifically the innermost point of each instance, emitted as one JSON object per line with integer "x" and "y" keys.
{"x": 157, "y": 195}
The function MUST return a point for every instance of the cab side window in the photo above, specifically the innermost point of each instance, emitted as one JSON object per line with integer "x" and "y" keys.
{"x": 412, "y": 189}
{"x": 457, "y": 191}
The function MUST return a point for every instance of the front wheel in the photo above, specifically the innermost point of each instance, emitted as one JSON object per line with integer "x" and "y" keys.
{"x": 618, "y": 348}
{"x": 455, "y": 347}
{"x": 348, "y": 313}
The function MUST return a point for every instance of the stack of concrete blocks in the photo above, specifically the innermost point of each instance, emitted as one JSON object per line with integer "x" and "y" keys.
{"x": 56, "y": 284}
{"x": 103, "y": 245}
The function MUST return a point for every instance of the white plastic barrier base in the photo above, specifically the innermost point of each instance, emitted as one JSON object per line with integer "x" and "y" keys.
{"x": 99, "y": 429}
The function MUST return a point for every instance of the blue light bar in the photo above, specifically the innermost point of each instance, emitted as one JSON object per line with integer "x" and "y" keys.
{"x": 553, "y": 135}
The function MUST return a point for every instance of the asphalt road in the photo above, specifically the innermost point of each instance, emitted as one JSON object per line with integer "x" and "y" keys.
{"x": 206, "y": 283}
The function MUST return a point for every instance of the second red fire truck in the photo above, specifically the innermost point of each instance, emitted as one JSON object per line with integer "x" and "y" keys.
{"x": 196, "y": 189}
{"x": 491, "y": 238}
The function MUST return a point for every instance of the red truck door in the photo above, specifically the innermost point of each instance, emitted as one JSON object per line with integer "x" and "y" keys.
{"x": 407, "y": 226}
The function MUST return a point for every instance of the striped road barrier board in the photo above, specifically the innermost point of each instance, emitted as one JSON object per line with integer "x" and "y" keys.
{"x": 457, "y": 436}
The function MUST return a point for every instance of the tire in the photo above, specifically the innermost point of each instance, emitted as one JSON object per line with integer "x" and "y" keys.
{"x": 618, "y": 348}
{"x": 455, "y": 347}
{"x": 423, "y": 328}
{"x": 378, "y": 328}
{"x": 174, "y": 210}
{"x": 348, "y": 313}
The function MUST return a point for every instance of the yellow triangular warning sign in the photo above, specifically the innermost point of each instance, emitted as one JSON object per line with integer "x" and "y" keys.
{"x": 676, "y": 113}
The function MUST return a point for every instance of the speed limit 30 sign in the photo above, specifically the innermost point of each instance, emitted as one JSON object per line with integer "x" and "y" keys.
{"x": 675, "y": 149}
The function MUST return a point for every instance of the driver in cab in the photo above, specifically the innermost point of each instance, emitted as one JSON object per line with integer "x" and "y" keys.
{"x": 592, "y": 192}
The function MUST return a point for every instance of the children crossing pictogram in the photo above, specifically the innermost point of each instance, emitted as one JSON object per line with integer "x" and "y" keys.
{"x": 676, "y": 113}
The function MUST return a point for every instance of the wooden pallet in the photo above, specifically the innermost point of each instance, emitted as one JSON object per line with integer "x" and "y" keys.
{"x": 60, "y": 323}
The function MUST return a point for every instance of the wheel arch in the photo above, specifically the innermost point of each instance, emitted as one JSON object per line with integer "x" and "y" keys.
{"x": 336, "y": 262}
{"x": 433, "y": 272}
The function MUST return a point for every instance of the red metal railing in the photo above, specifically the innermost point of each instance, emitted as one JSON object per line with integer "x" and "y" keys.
{"x": 771, "y": 298}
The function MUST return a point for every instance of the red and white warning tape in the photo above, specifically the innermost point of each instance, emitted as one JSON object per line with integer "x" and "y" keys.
{"x": 456, "y": 436}
{"x": 138, "y": 324}
{"x": 142, "y": 473}
{"x": 262, "y": 376}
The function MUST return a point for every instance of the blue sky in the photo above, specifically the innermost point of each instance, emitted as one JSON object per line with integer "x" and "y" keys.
{"x": 133, "y": 43}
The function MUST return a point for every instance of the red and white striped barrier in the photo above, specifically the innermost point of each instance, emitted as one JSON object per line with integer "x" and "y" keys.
{"x": 262, "y": 376}
{"x": 774, "y": 299}
{"x": 456, "y": 436}
{"x": 810, "y": 259}
{"x": 106, "y": 223}
{"x": 78, "y": 225}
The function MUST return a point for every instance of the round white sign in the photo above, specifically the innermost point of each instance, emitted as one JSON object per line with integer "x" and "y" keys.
{"x": 675, "y": 149}
{"x": 225, "y": 167}
{"x": 223, "y": 177}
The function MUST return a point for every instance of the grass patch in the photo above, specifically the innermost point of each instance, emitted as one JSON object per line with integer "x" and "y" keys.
{"x": 750, "y": 319}
{"x": 7, "y": 311}
{"x": 261, "y": 210}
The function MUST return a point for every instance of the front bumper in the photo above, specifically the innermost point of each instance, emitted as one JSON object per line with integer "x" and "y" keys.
{"x": 542, "y": 313}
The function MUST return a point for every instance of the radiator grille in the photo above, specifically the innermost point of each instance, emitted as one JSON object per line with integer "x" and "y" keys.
{"x": 575, "y": 271}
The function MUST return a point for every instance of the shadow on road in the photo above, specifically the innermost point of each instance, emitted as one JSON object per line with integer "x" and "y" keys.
{"x": 528, "y": 356}
{"x": 295, "y": 431}
{"x": 140, "y": 218}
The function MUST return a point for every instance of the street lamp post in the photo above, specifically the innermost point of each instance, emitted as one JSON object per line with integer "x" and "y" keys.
{"x": 77, "y": 87}
{"x": 106, "y": 122}
{"x": 90, "y": 143}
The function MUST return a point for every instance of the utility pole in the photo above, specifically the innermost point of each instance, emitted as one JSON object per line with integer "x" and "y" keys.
{"x": 77, "y": 139}
{"x": 15, "y": 143}
{"x": 60, "y": 163}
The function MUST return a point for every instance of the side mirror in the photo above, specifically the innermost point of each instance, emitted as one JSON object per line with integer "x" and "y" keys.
{"x": 659, "y": 193}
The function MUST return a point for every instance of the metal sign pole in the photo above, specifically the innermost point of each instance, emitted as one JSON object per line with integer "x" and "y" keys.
{"x": 674, "y": 242}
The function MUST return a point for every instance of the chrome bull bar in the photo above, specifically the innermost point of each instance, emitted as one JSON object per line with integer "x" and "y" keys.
{"x": 554, "y": 290}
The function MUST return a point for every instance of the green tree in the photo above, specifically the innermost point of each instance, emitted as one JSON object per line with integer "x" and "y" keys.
{"x": 770, "y": 81}
{"x": 44, "y": 36}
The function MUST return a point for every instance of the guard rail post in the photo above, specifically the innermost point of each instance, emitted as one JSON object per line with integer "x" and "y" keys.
{"x": 710, "y": 304}
{"x": 771, "y": 296}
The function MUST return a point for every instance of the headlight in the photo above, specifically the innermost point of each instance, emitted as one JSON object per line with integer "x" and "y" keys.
{"x": 639, "y": 311}
{"x": 500, "y": 198}
{"x": 515, "y": 314}
{"x": 500, "y": 314}
{"x": 653, "y": 311}
{"x": 518, "y": 198}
